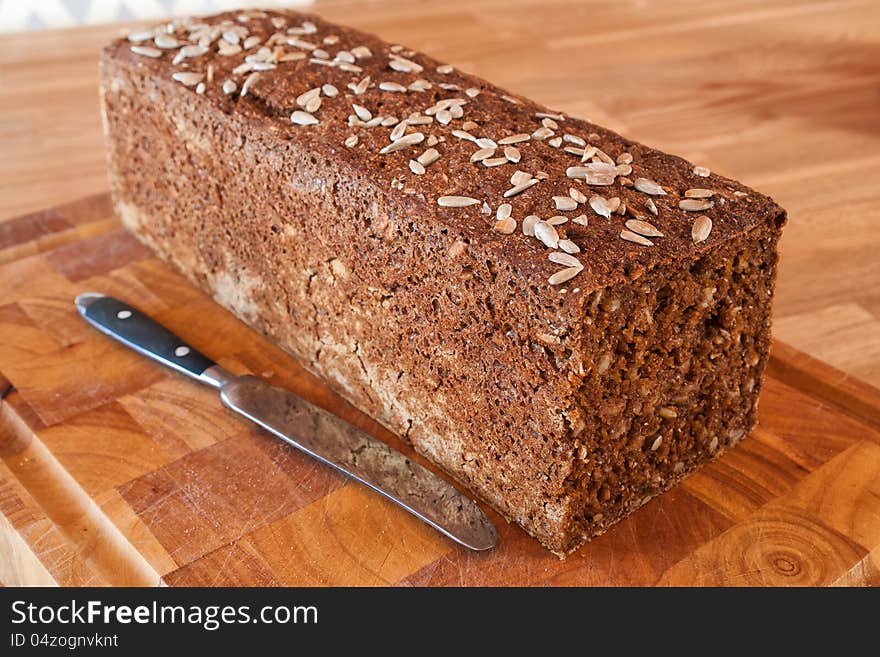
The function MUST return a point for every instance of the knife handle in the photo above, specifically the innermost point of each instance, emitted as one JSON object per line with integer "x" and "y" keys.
{"x": 136, "y": 330}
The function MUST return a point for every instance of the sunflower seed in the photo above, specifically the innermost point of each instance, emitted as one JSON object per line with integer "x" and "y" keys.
{"x": 613, "y": 203}
{"x": 166, "y": 41}
{"x": 596, "y": 173}
{"x": 407, "y": 140}
{"x": 504, "y": 211}
{"x": 630, "y": 236}
{"x": 456, "y": 201}
{"x": 623, "y": 169}
{"x": 564, "y": 259}
{"x": 548, "y": 115}
{"x": 520, "y": 177}
{"x": 392, "y": 86}
{"x": 643, "y": 228}
{"x": 303, "y": 99}
{"x": 344, "y": 56}
{"x": 577, "y": 195}
{"x": 419, "y": 120}
{"x": 351, "y": 141}
{"x": 699, "y": 192}
{"x": 137, "y": 37}
{"x": 463, "y": 134}
{"x": 574, "y": 139}
{"x": 589, "y": 152}
{"x": 505, "y": 226}
{"x": 146, "y": 51}
{"x": 388, "y": 121}
{"x": 703, "y": 172}
{"x": 362, "y": 112}
{"x": 430, "y": 156}
{"x": 472, "y": 92}
{"x": 651, "y": 206}
{"x": 420, "y": 85}
{"x": 299, "y": 117}
{"x": 469, "y": 125}
{"x": 542, "y": 133}
{"x": 403, "y": 65}
{"x": 229, "y": 87}
{"x": 564, "y": 275}
{"x": 569, "y": 247}
{"x": 514, "y": 139}
{"x": 485, "y": 142}
{"x": 547, "y": 234}
{"x": 511, "y": 100}
{"x": 701, "y": 229}
{"x": 565, "y": 203}
{"x": 517, "y": 189}
{"x": 547, "y": 122}
{"x": 649, "y": 187}
{"x": 556, "y": 142}
{"x": 695, "y": 204}
{"x": 482, "y": 154}
{"x": 445, "y": 69}
{"x": 512, "y": 153}
{"x": 600, "y": 206}
{"x": 557, "y": 220}
{"x": 494, "y": 161}
{"x": 361, "y": 52}
{"x": 398, "y": 132}
{"x": 581, "y": 220}
{"x": 188, "y": 78}
{"x": 416, "y": 167}
{"x": 656, "y": 444}
{"x": 313, "y": 105}
{"x": 361, "y": 86}
{"x": 528, "y": 225}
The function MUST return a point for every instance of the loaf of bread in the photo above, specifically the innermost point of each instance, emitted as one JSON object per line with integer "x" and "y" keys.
{"x": 565, "y": 320}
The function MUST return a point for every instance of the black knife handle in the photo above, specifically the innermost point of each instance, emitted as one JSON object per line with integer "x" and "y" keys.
{"x": 136, "y": 330}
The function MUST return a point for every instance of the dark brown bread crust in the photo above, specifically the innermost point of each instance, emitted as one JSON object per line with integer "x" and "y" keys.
{"x": 547, "y": 400}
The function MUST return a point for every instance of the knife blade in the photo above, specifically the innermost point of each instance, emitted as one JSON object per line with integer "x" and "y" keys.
{"x": 316, "y": 432}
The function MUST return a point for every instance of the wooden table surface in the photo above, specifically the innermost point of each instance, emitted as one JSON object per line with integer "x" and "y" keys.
{"x": 782, "y": 94}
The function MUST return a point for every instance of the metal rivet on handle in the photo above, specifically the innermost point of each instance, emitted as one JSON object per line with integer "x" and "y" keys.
{"x": 123, "y": 314}
{"x": 180, "y": 352}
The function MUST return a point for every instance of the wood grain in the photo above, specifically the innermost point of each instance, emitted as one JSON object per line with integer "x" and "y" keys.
{"x": 114, "y": 470}
{"x": 778, "y": 93}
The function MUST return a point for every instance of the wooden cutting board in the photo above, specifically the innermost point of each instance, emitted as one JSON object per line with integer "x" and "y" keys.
{"x": 117, "y": 471}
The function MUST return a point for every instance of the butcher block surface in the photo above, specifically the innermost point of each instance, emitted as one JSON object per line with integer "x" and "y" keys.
{"x": 117, "y": 471}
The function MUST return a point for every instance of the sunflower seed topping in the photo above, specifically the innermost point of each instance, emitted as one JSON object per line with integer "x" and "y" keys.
{"x": 703, "y": 172}
{"x": 512, "y": 154}
{"x": 456, "y": 201}
{"x": 405, "y": 141}
{"x": 649, "y": 187}
{"x": 146, "y": 51}
{"x": 528, "y": 225}
{"x": 581, "y": 220}
{"x": 299, "y": 117}
{"x": 430, "y": 156}
{"x": 482, "y": 154}
{"x": 188, "y": 78}
{"x": 505, "y": 226}
{"x": 600, "y": 206}
{"x": 351, "y": 141}
{"x": 651, "y": 206}
{"x": 564, "y": 259}
{"x": 699, "y": 192}
{"x": 416, "y": 167}
{"x": 630, "y": 236}
{"x": 546, "y": 234}
{"x": 564, "y": 275}
{"x": 229, "y": 87}
{"x": 565, "y": 203}
{"x": 701, "y": 229}
{"x": 514, "y": 139}
{"x": 695, "y": 204}
{"x": 643, "y": 228}
{"x": 392, "y": 86}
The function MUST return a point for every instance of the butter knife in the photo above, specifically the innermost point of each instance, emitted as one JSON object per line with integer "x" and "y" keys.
{"x": 310, "y": 429}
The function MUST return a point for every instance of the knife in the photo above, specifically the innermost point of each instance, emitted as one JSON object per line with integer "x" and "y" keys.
{"x": 310, "y": 429}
